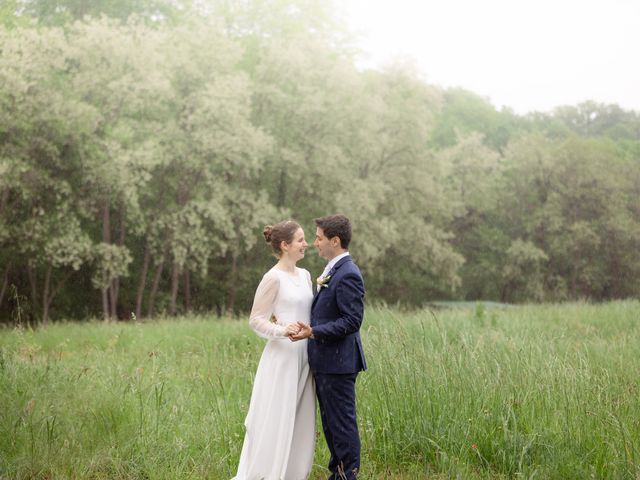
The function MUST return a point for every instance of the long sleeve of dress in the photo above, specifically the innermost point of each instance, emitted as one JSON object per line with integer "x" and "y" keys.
{"x": 263, "y": 305}
{"x": 309, "y": 282}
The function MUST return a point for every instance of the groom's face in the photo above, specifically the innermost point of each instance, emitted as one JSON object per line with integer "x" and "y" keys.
{"x": 324, "y": 245}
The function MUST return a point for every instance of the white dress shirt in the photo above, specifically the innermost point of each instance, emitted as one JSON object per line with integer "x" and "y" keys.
{"x": 331, "y": 264}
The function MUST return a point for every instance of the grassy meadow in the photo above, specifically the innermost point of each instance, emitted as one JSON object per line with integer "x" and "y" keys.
{"x": 547, "y": 392}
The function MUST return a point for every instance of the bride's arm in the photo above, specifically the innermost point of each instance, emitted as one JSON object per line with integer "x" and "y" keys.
{"x": 309, "y": 282}
{"x": 263, "y": 305}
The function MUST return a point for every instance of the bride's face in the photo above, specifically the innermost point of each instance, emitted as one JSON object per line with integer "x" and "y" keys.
{"x": 295, "y": 250}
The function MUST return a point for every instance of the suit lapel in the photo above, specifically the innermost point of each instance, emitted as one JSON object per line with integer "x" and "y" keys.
{"x": 339, "y": 263}
{"x": 331, "y": 272}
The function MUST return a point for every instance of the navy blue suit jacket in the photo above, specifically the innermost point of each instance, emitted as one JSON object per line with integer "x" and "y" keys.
{"x": 336, "y": 316}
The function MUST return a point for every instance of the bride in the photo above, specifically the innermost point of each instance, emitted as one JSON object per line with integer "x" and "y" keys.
{"x": 280, "y": 425}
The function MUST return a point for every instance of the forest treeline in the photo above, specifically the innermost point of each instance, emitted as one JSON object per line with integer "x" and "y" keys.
{"x": 143, "y": 146}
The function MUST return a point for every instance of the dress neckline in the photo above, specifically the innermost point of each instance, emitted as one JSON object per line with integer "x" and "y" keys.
{"x": 294, "y": 277}
{"x": 288, "y": 273}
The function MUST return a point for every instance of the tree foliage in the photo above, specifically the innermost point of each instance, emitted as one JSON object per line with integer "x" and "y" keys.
{"x": 144, "y": 144}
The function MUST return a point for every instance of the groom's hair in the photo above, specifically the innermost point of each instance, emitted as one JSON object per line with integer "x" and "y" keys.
{"x": 336, "y": 226}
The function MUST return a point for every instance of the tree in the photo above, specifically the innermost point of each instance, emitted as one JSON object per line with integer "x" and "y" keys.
{"x": 591, "y": 119}
{"x": 471, "y": 176}
{"x": 114, "y": 76}
{"x": 464, "y": 112}
{"x": 212, "y": 154}
{"x": 60, "y": 12}
{"x": 564, "y": 196}
{"x": 523, "y": 272}
{"x": 394, "y": 191}
{"x": 40, "y": 160}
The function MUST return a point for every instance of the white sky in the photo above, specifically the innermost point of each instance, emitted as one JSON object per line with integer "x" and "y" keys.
{"x": 523, "y": 54}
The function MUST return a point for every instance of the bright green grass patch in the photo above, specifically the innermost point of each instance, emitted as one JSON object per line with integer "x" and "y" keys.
{"x": 526, "y": 392}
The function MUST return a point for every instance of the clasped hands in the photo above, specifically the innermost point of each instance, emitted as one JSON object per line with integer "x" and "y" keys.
{"x": 295, "y": 331}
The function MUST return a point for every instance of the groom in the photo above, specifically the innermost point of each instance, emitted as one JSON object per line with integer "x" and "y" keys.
{"x": 334, "y": 347}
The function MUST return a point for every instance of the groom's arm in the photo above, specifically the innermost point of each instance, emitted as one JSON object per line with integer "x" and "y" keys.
{"x": 350, "y": 301}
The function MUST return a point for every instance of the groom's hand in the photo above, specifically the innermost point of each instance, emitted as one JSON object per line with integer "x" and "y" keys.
{"x": 291, "y": 329}
{"x": 304, "y": 331}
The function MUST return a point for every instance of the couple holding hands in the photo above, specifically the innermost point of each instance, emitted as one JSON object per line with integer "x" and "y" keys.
{"x": 313, "y": 350}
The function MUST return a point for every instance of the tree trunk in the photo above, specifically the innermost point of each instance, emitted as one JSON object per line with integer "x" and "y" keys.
{"x": 187, "y": 290}
{"x": 45, "y": 296}
{"x": 115, "y": 284}
{"x": 105, "y": 304}
{"x": 504, "y": 294}
{"x": 233, "y": 284}
{"x": 143, "y": 280}
{"x": 5, "y": 283}
{"x": 50, "y": 292}
{"x": 112, "y": 299}
{"x": 282, "y": 188}
{"x": 106, "y": 223}
{"x": 4, "y": 199}
{"x": 154, "y": 287}
{"x": 107, "y": 299}
{"x": 31, "y": 273}
{"x": 175, "y": 283}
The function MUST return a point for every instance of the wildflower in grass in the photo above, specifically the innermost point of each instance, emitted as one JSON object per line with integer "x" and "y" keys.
{"x": 180, "y": 443}
{"x": 28, "y": 408}
{"x": 474, "y": 446}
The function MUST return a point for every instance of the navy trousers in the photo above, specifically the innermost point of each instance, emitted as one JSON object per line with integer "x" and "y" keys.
{"x": 337, "y": 401}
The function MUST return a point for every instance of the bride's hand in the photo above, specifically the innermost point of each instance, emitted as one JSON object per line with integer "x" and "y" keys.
{"x": 291, "y": 329}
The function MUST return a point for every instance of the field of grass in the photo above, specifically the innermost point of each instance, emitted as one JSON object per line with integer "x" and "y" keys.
{"x": 548, "y": 392}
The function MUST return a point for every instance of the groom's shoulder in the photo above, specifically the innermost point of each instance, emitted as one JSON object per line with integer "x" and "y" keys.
{"x": 350, "y": 274}
{"x": 350, "y": 267}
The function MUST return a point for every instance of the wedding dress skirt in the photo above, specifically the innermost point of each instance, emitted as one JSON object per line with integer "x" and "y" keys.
{"x": 280, "y": 426}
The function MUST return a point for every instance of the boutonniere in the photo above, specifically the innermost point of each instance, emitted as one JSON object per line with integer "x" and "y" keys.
{"x": 323, "y": 282}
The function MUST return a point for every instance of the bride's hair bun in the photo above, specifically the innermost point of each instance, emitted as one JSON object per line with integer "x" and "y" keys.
{"x": 268, "y": 230}
{"x": 274, "y": 235}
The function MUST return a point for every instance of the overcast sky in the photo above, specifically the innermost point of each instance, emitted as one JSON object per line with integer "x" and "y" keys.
{"x": 524, "y": 54}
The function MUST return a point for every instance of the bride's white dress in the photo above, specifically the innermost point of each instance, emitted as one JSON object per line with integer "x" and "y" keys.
{"x": 280, "y": 426}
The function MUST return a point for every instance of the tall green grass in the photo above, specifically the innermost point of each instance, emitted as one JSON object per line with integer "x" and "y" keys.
{"x": 524, "y": 392}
